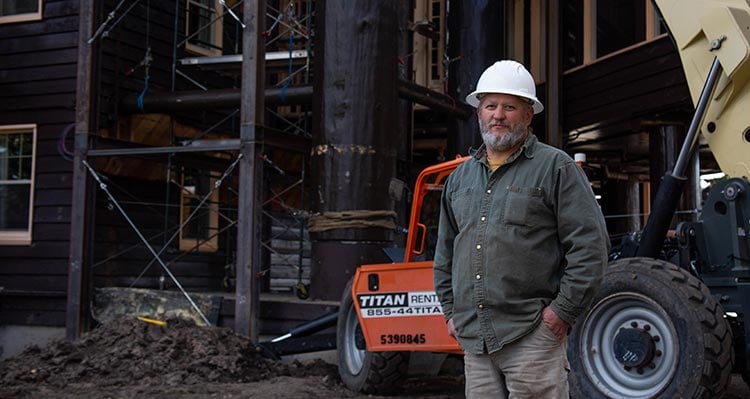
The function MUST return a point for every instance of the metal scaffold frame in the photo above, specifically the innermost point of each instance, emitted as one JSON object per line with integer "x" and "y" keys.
{"x": 249, "y": 147}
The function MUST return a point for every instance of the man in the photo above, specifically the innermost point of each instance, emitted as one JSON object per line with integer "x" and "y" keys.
{"x": 521, "y": 247}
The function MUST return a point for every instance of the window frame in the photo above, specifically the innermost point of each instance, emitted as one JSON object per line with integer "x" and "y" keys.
{"x": 8, "y": 238}
{"x": 527, "y": 35}
{"x": 589, "y": 34}
{"x": 28, "y": 16}
{"x": 216, "y": 28}
{"x": 211, "y": 205}
{"x": 429, "y": 55}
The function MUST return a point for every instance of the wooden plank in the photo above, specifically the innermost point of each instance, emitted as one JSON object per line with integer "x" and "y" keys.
{"x": 608, "y": 66}
{"x": 53, "y": 180}
{"x": 39, "y": 43}
{"x": 39, "y": 58}
{"x": 51, "y": 86}
{"x": 35, "y": 282}
{"x": 19, "y": 301}
{"x": 665, "y": 66}
{"x": 630, "y": 89}
{"x": 40, "y": 73}
{"x": 46, "y": 27}
{"x": 663, "y": 99}
{"x": 51, "y": 232}
{"x": 37, "y": 250}
{"x": 37, "y": 318}
{"x": 200, "y": 284}
{"x": 35, "y": 116}
{"x": 28, "y": 266}
{"x": 52, "y": 197}
{"x": 125, "y": 268}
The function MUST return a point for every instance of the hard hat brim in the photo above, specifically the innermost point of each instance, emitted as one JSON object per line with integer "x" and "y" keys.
{"x": 473, "y": 98}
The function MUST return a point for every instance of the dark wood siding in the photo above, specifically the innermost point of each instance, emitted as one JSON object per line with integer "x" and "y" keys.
{"x": 37, "y": 85}
{"x": 120, "y": 256}
{"x": 643, "y": 80}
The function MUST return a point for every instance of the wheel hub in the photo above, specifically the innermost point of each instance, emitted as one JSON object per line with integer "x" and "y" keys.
{"x": 634, "y": 347}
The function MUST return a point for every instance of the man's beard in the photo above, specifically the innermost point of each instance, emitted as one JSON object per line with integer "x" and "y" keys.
{"x": 515, "y": 135}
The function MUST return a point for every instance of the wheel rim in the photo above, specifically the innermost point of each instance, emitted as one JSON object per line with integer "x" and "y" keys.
{"x": 597, "y": 350}
{"x": 353, "y": 357}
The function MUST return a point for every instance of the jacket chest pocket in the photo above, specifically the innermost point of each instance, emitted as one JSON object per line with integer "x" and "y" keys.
{"x": 524, "y": 206}
{"x": 463, "y": 205}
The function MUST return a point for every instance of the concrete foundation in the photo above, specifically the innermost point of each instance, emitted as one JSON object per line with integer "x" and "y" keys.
{"x": 14, "y": 339}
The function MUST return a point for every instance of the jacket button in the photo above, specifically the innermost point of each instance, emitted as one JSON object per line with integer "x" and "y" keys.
{"x": 479, "y": 246}
{"x": 483, "y": 218}
{"x": 479, "y": 277}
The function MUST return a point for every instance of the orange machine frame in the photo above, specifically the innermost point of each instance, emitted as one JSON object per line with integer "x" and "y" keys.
{"x": 396, "y": 302}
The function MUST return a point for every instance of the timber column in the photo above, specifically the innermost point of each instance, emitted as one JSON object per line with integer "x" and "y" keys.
{"x": 476, "y": 40}
{"x": 355, "y": 138}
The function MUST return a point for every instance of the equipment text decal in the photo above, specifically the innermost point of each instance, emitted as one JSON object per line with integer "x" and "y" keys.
{"x": 397, "y": 304}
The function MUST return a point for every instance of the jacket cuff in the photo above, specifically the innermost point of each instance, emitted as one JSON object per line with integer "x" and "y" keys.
{"x": 565, "y": 309}
{"x": 447, "y": 313}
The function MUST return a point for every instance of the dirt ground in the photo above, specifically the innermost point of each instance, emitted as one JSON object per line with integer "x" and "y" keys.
{"x": 128, "y": 358}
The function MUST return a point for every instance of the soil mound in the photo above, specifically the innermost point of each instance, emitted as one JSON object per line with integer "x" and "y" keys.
{"x": 128, "y": 350}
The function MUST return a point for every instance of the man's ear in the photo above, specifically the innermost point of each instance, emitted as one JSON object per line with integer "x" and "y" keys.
{"x": 529, "y": 115}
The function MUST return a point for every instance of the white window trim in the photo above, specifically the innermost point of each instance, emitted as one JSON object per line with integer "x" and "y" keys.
{"x": 216, "y": 29}
{"x": 23, "y": 237}
{"x": 30, "y": 16}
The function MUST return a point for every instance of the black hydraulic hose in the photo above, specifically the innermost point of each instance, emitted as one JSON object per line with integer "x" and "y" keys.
{"x": 321, "y": 323}
{"x": 660, "y": 218}
{"x": 670, "y": 189}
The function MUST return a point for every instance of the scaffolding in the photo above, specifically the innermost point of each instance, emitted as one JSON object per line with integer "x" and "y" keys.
{"x": 194, "y": 191}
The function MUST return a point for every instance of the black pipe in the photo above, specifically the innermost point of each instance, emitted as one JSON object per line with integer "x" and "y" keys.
{"x": 321, "y": 323}
{"x": 293, "y": 95}
{"x": 434, "y": 100}
{"x": 293, "y": 346}
{"x": 212, "y": 99}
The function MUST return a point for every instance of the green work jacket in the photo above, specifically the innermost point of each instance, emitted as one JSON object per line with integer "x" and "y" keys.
{"x": 512, "y": 241}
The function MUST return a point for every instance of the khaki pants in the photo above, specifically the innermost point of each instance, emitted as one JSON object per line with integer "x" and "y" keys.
{"x": 536, "y": 366}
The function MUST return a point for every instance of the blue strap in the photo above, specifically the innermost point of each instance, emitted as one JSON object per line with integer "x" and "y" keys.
{"x": 289, "y": 77}
{"x": 143, "y": 92}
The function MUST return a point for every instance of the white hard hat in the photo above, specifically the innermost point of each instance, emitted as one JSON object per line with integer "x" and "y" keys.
{"x": 506, "y": 77}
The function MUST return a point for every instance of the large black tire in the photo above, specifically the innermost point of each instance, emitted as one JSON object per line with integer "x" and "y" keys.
{"x": 653, "y": 331}
{"x": 361, "y": 370}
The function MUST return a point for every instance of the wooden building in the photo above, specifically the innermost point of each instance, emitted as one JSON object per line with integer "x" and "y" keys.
{"x": 182, "y": 145}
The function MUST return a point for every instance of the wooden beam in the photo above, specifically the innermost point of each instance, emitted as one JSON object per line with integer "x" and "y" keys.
{"x": 247, "y": 305}
{"x": 78, "y": 276}
{"x": 553, "y": 86}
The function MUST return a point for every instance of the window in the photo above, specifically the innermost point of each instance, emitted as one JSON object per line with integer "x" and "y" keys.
{"x": 20, "y": 10}
{"x": 572, "y": 40}
{"x": 437, "y": 13}
{"x": 203, "y": 26}
{"x": 619, "y": 24}
{"x": 200, "y": 233}
{"x": 526, "y": 33}
{"x": 592, "y": 29}
{"x": 17, "y": 159}
{"x": 429, "y": 44}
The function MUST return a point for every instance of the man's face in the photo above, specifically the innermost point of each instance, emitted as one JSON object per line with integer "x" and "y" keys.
{"x": 503, "y": 120}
